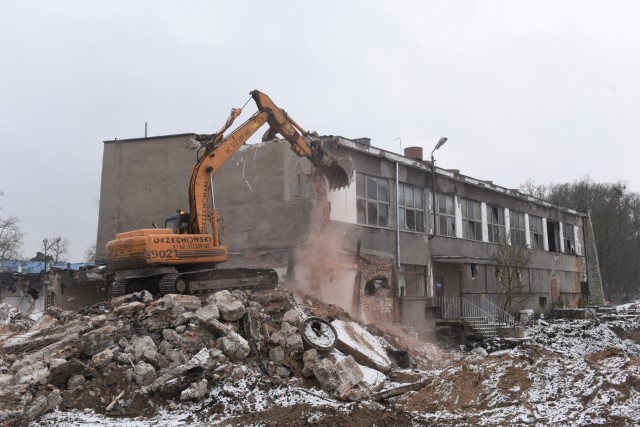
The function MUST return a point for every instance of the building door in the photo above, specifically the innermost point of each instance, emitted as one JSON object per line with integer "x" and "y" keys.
{"x": 438, "y": 287}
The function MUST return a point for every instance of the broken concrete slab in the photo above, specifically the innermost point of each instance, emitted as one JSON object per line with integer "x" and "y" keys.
{"x": 208, "y": 312}
{"x": 196, "y": 392}
{"x": 230, "y": 307}
{"x": 234, "y": 346}
{"x": 129, "y": 308}
{"x": 75, "y": 381}
{"x": 365, "y": 348}
{"x": 32, "y": 374}
{"x": 348, "y": 371}
{"x": 103, "y": 358}
{"x": 292, "y": 317}
{"x": 144, "y": 374}
{"x": 184, "y": 318}
{"x": 170, "y": 335}
{"x": 276, "y": 355}
{"x": 188, "y": 302}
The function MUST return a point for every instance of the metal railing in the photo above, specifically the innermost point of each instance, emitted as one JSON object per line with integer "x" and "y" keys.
{"x": 501, "y": 317}
{"x": 479, "y": 312}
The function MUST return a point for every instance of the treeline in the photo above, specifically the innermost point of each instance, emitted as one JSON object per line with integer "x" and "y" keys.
{"x": 615, "y": 213}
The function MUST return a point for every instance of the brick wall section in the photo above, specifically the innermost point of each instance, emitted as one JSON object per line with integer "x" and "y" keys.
{"x": 382, "y": 307}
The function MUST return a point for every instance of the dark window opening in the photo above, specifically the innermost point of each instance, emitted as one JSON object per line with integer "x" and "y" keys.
{"x": 415, "y": 279}
{"x": 372, "y": 286}
{"x": 569, "y": 239}
{"x": 496, "y": 225}
{"x": 445, "y": 215}
{"x": 474, "y": 271}
{"x": 471, "y": 219}
{"x": 552, "y": 236}
{"x": 518, "y": 229}
{"x": 535, "y": 232}
{"x": 410, "y": 199}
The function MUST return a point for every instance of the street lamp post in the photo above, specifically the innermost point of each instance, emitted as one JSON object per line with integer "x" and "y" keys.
{"x": 433, "y": 184}
{"x": 45, "y": 242}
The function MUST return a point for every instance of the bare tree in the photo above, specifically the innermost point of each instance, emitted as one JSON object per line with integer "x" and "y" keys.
{"x": 615, "y": 214}
{"x": 56, "y": 247}
{"x": 511, "y": 263}
{"x": 11, "y": 237}
{"x": 90, "y": 254}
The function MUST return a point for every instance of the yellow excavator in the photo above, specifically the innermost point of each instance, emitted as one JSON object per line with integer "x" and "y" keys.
{"x": 182, "y": 256}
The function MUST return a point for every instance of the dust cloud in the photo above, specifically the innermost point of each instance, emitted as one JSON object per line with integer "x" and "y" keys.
{"x": 323, "y": 270}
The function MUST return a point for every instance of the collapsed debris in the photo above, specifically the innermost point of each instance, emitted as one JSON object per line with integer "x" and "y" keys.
{"x": 140, "y": 357}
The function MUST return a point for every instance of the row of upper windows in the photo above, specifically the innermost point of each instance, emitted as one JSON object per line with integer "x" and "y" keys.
{"x": 373, "y": 203}
{"x": 497, "y": 227}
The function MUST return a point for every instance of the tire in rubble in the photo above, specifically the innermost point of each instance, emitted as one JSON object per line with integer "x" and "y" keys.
{"x": 319, "y": 334}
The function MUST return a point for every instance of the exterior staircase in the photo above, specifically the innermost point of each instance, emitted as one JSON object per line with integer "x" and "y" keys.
{"x": 479, "y": 316}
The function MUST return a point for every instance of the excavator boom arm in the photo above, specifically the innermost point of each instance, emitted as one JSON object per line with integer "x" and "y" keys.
{"x": 218, "y": 151}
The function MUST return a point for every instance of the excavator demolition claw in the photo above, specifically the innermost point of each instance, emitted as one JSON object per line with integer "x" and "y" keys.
{"x": 337, "y": 170}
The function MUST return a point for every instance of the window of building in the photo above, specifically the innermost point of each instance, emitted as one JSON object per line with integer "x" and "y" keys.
{"x": 495, "y": 223}
{"x": 518, "y": 229}
{"x": 372, "y": 200}
{"x": 535, "y": 232}
{"x": 445, "y": 215}
{"x": 553, "y": 236}
{"x": 471, "y": 220}
{"x": 415, "y": 279}
{"x": 411, "y": 201}
{"x": 569, "y": 239}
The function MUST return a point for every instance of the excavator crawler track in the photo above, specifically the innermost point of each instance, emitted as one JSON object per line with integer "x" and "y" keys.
{"x": 198, "y": 282}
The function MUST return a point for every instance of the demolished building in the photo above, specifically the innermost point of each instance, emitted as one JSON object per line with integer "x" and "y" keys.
{"x": 376, "y": 248}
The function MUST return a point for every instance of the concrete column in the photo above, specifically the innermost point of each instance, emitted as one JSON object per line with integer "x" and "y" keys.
{"x": 545, "y": 237}
{"x": 527, "y": 236}
{"x": 507, "y": 225}
{"x": 593, "y": 266}
{"x": 485, "y": 225}
{"x": 577, "y": 239}
{"x": 456, "y": 203}
{"x": 561, "y": 237}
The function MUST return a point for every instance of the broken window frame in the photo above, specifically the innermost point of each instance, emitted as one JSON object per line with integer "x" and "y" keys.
{"x": 413, "y": 206}
{"x": 536, "y": 234}
{"x": 517, "y": 228}
{"x": 471, "y": 219}
{"x": 569, "y": 238}
{"x": 496, "y": 224}
{"x": 415, "y": 280}
{"x": 445, "y": 215}
{"x": 372, "y": 200}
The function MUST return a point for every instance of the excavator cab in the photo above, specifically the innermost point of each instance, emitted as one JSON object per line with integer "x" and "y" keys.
{"x": 179, "y": 222}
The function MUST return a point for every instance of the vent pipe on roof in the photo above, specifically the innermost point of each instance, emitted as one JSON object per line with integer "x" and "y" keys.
{"x": 414, "y": 153}
{"x": 145, "y": 129}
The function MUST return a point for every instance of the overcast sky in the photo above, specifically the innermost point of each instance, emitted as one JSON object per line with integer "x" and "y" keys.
{"x": 547, "y": 90}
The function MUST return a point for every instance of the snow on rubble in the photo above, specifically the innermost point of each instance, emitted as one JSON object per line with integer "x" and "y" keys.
{"x": 237, "y": 358}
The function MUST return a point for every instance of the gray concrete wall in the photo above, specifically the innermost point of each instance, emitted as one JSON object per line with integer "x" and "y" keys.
{"x": 265, "y": 197}
{"x": 143, "y": 181}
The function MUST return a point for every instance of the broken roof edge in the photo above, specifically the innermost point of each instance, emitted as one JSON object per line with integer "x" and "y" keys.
{"x": 425, "y": 165}
{"x": 116, "y": 140}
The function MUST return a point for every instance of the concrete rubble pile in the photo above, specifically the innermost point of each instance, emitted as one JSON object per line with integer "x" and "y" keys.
{"x": 136, "y": 354}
